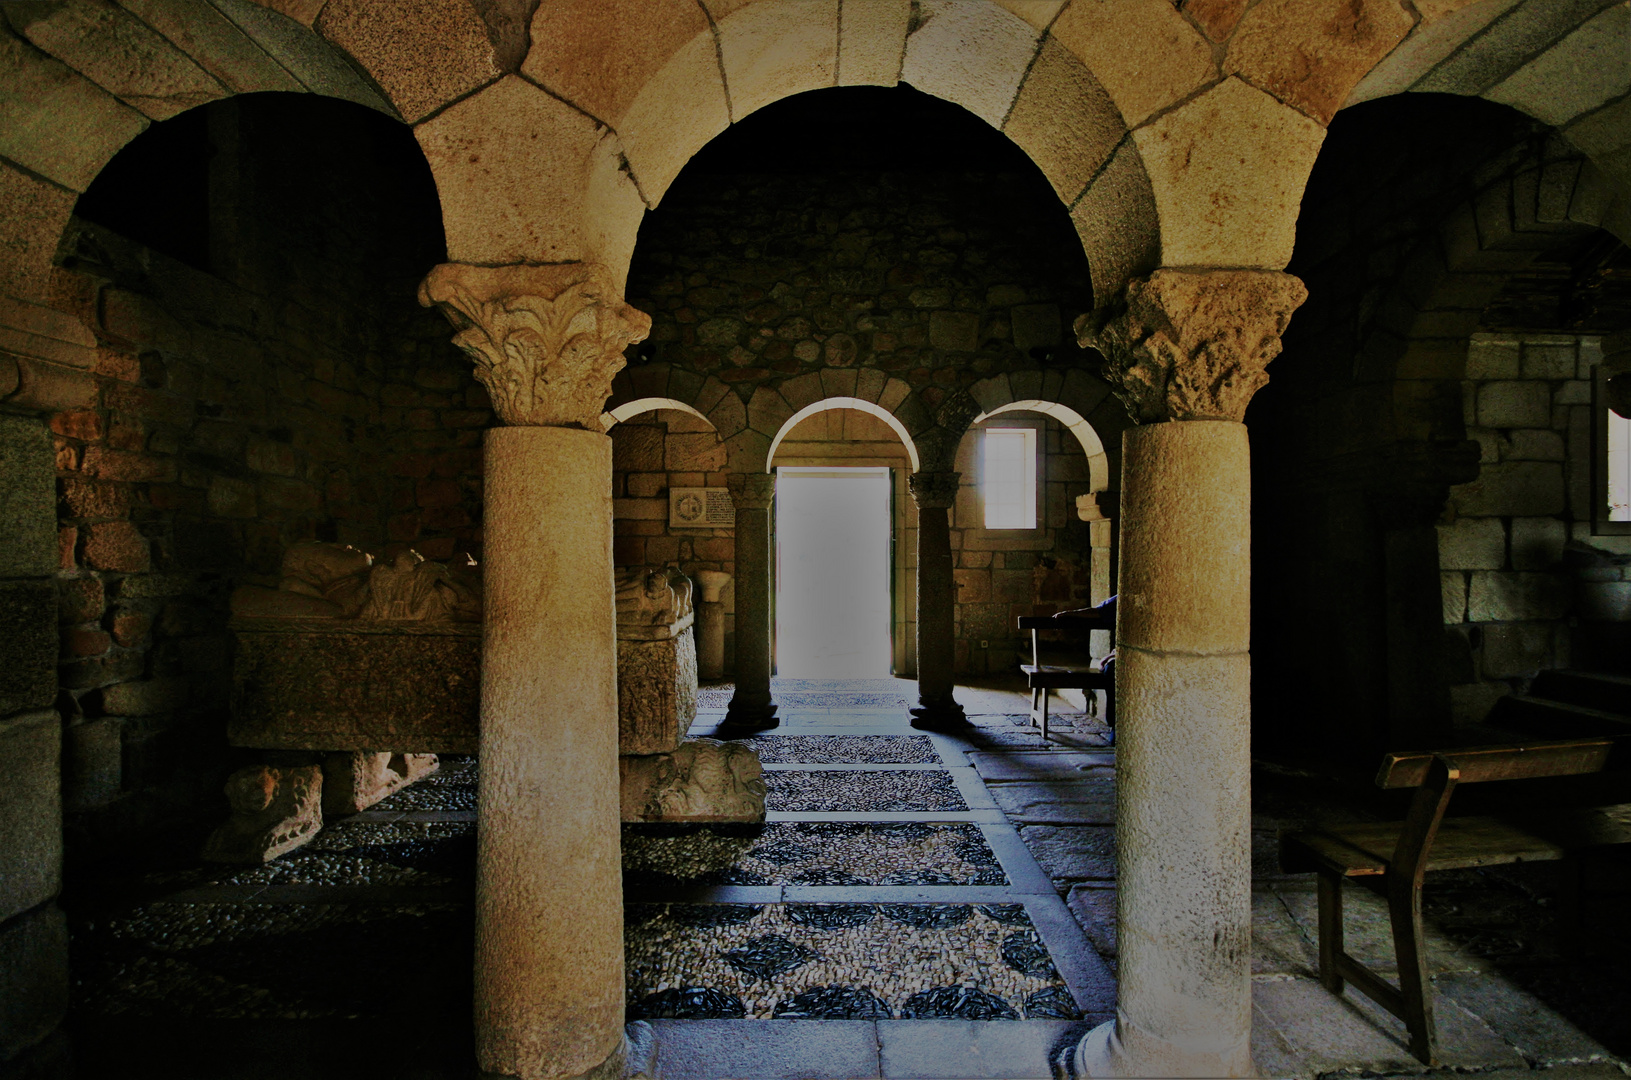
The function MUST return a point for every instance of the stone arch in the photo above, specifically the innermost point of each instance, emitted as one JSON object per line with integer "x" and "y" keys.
{"x": 629, "y": 409}
{"x": 1098, "y": 462}
{"x": 1080, "y": 401}
{"x": 843, "y": 403}
{"x": 113, "y": 72}
{"x": 616, "y": 96}
{"x": 1419, "y": 332}
{"x": 1531, "y": 57}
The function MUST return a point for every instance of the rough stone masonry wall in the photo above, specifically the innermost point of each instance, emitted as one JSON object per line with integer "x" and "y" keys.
{"x": 941, "y": 278}
{"x": 651, "y": 453}
{"x": 1507, "y": 598}
{"x": 216, "y": 422}
{"x": 33, "y": 932}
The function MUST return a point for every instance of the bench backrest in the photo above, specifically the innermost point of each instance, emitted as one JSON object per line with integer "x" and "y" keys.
{"x": 1477, "y": 764}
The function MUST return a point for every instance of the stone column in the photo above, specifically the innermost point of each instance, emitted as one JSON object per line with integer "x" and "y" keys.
{"x": 935, "y": 493}
{"x": 549, "y": 916}
{"x": 711, "y": 624}
{"x": 751, "y": 707}
{"x": 1186, "y": 351}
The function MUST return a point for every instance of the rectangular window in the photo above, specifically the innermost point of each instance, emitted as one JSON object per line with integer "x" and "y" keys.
{"x": 1619, "y": 467}
{"x": 1008, "y": 477}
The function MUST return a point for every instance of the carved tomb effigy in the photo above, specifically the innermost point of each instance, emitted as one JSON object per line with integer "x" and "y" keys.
{"x": 664, "y": 775}
{"x": 349, "y": 655}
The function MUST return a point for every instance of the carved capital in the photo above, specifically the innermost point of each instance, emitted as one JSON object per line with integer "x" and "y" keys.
{"x": 751, "y": 491}
{"x": 546, "y": 339}
{"x": 1193, "y": 344}
{"x": 933, "y": 489}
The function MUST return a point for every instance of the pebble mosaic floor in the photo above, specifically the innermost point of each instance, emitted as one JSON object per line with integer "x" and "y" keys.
{"x": 877, "y": 792}
{"x": 243, "y": 943}
{"x": 812, "y": 853}
{"x": 840, "y": 962}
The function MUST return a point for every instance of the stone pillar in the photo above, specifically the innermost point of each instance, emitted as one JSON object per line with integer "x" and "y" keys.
{"x": 751, "y": 707}
{"x": 1186, "y": 351}
{"x": 711, "y": 624}
{"x": 934, "y": 493}
{"x": 549, "y": 917}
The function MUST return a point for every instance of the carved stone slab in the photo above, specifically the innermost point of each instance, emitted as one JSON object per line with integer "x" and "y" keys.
{"x": 307, "y": 684}
{"x": 656, "y": 692}
{"x": 354, "y": 781}
{"x": 702, "y": 780}
{"x": 274, "y": 811}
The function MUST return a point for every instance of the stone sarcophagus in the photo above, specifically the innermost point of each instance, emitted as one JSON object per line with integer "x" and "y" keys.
{"x": 656, "y": 660}
{"x": 346, "y": 655}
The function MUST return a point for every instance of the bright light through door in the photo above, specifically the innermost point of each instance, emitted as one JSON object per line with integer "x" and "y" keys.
{"x": 832, "y": 573}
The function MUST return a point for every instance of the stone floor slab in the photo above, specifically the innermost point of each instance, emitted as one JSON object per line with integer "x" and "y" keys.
{"x": 1538, "y": 1032}
{"x": 1090, "y": 802}
{"x": 1073, "y": 852}
{"x": 1304, "y": 1030}
{"x": 768, "y": 1049}
{"x": 1065, "y": 765}
{"x": 968, "y": 1050}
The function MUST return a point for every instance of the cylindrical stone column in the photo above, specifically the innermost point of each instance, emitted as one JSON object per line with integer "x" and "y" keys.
{"x": 549, "y": 902}
{"x": 711, "y": 624}
{"x": 546, "y": 341}
{"x": 751, "y": 708}
{"x": 1183, "y": 760}
{"x": 935, "y": 493}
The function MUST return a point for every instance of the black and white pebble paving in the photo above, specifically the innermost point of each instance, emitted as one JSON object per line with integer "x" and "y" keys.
{"x": 451, "y": 787}
{"x": 840, "y": 962}
{"x": 811, "y": 853}
{"x": 871, "y": 792}
{"x": 845, "y": 749}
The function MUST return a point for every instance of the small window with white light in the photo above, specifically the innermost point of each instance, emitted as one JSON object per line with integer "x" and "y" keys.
{"x": 1008, "y": 477}
{"x": 1619, "y": 467}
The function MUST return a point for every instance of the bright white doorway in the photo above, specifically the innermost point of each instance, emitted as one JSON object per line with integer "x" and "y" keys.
{"x": 832, "y": 573}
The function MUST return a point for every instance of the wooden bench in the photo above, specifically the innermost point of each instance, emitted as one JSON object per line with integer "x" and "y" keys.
{"x": 1392, "y": 858}
{"x": 1043, "y": 678}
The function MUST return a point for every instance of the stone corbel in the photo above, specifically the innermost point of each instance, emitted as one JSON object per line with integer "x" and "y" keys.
{"x": 546, "y": 340}
{"x": 1193, "y": 344}
{"x": 934, "y": 489}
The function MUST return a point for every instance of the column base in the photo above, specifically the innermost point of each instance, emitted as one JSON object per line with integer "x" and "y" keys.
{"x": 741, "y": 720}
{"x": 635, "y": 1058}
{"x": 944, "y": 715}
{"x": 1105, "y": 1052}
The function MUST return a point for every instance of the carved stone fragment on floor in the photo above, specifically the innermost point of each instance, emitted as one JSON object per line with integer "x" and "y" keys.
{"x": 274, "y": 811}
{"x": 354, "y": 781}
{"x": 702, "y": 780}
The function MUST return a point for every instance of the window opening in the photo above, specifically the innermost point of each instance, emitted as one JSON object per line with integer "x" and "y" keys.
{"x": 1008, "y": 477}
{"x": 1619, "y": 467}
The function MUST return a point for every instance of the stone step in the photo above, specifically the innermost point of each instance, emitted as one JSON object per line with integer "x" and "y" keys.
{"x": 1043, "y": 765}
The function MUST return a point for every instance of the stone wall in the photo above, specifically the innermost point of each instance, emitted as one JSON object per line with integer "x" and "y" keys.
{"x": 651, "y": 453}
{"x": 1509, "y": 601}
{"x": 33, "y": 933}
{"x": 940, "y": 278}
{"x": 293, "y": 390}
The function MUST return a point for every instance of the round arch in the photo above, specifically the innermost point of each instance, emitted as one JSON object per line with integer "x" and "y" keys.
{"x": 826, "y": 404}
{"x": 1098, "y": 462}
{"x": 634, "y": 408}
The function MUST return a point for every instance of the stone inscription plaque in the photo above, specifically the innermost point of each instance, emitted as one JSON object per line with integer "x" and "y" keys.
{"x": 700, "y": 508}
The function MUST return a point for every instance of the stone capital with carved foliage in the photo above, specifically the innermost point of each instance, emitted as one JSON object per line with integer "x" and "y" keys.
{"x": 1193, "y": 344}
{"x": 933, "y": 489}
{"x": 751, "y": 491}
{"x": 546, "y": 339}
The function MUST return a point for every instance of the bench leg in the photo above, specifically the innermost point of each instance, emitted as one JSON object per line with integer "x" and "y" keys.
{"x": 1415, "y": 986}
{"x": 1044, "y": 692}
{"x": 1330, "y": 929}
